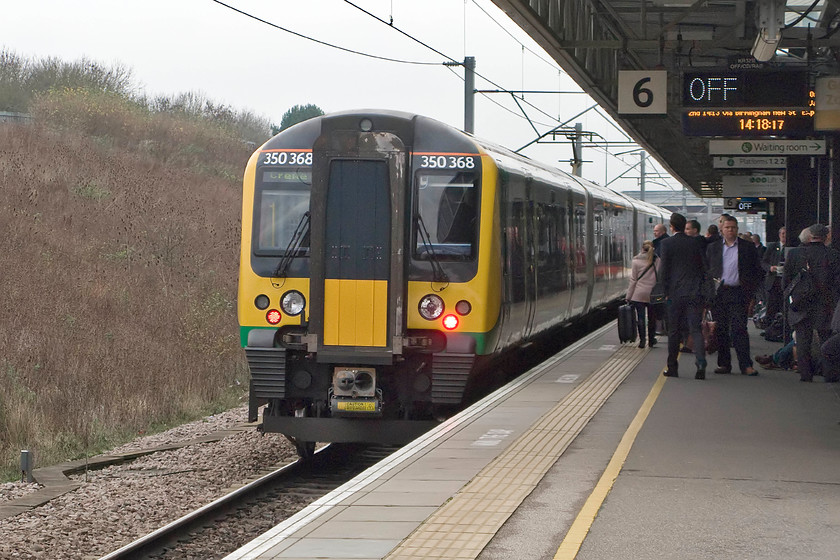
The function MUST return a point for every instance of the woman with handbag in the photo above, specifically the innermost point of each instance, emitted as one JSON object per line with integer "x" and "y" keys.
{"x": 643, "y": 278}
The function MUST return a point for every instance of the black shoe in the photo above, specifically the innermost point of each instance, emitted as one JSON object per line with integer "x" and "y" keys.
{"x": 723, "y": 369}
{"x": 641, "y": 344}
{"x": 653, "y": 342}
{"x": 667, "y": 373}
{"x": 701, "y": 373}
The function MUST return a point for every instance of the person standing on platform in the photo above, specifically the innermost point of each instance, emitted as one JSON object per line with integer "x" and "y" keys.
{"x": 831, "y": 350}
{"x": 692, "y": 228}
{"x": 771, "y": 263}
{"x": 683, "y": 273}
{"x": 712, "y": 234}
{"x": 759, "y": 248}
{"x": 643, "y": 276}
{"x": 735, "y": 262}
{"x": 823, "y": 268}
{"x": 659, "y": 233}
{"x": 659, "y": 311}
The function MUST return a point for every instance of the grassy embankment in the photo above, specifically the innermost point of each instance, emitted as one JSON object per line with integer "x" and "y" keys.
{"x": 119, "y": 228}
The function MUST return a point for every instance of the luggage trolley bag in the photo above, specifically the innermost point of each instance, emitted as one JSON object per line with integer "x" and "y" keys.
{"x": 626, "y": 324}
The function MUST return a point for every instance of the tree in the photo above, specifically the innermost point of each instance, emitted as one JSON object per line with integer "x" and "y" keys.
{"x": 297, "y": 114}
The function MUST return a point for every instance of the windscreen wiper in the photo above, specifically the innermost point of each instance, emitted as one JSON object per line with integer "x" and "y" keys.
{"x": 438, "y": 274}
{"x": 294, "y": 245}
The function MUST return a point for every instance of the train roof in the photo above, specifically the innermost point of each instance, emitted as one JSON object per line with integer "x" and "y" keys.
{"x": 307, "y": 131}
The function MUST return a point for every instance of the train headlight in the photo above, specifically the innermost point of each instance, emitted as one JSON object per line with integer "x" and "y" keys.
{"x": 292, "y": 303}
{"x": 431, "y": 307}
{"x": 273, "y": 316}
{"x": 450, "y": 322}
{"x": 365, "y": 125}
{"x": 463, "y": 307}
{"x": 262, "y": 301}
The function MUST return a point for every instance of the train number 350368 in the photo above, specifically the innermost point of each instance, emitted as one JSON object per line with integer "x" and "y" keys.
{"x": 447, "y": 162}
{"x": 288, "y": 158}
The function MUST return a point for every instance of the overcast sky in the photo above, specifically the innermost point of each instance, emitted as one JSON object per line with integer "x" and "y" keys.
{"x": 177, "y": 46}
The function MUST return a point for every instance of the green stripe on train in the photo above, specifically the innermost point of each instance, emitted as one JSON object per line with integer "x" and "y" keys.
{"x": 480, "y": 338}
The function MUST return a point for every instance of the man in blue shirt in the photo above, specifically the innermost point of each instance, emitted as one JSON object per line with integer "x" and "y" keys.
{"x": 734, "y": 261}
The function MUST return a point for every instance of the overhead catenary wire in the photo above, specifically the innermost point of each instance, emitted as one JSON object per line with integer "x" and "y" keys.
{"x": 324, "y": 43}
{"x": 423, "y": 63}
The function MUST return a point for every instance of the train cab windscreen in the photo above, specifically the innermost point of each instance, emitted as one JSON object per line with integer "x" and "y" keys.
{"x": 445, "y": 216}
{"x": 282, "y": 203}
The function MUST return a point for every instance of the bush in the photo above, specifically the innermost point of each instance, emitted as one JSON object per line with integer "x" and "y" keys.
{"x": 120, "y": 222}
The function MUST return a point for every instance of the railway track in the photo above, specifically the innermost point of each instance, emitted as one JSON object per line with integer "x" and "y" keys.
{"x": 240, "y": 516}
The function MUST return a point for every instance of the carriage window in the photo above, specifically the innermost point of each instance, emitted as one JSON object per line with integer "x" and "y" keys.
{"x": 283, "y": 199}
{"x": 445, "y": 216}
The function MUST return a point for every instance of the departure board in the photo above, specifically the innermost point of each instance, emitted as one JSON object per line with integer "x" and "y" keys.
{"x": 746, "y": 88}
{"x": 748, "y": 103}
{"x": 749, "y": 122}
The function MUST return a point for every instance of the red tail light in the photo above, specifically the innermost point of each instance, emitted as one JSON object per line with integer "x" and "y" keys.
{"x": 273, "y": 316}
{"x": 450, "y": 322}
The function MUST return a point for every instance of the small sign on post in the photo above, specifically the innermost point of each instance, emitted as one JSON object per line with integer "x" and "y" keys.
{"x": 27, "y": 465}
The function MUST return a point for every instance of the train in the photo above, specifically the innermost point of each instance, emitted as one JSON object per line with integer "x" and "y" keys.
{"x": 388, "y": 260}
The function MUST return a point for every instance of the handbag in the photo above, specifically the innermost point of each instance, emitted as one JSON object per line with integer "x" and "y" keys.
{"x": 657, "y": 294}
{"x": 709, "y": 328}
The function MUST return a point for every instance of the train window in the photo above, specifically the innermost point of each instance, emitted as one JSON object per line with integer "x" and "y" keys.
{"x": 445, "y": 215}
{"x": 282, "y": 201}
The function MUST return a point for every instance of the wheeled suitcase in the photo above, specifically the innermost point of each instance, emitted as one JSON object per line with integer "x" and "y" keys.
{"x": 626, "y": 324}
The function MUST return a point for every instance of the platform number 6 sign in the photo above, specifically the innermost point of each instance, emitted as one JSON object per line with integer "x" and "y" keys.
{"x": 642, "y": 92}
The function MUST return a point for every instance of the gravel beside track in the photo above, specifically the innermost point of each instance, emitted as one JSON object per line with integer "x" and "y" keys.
{"x": 121, "y": 503}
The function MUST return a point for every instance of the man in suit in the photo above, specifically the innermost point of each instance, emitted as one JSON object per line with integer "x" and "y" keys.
{"x": 823, "y": 266}
{"x": 760, "y": 249}
{"x": 773, "y": 257}
{"x": 659, "y": 233}
{"x": 683, "y": 270}
{"x": 735, "y": 262}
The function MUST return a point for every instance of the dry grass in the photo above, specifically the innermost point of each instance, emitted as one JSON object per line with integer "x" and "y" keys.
{"x": 119, "y": 229}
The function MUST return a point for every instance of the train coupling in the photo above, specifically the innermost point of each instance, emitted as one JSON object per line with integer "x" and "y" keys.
{"x": 354, "y": 392}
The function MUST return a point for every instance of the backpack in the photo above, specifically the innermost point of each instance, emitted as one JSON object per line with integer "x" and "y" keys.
{"x": 807, "y": 284}
{"x": 802, "y": 290}
{"x": 775, "y": 331}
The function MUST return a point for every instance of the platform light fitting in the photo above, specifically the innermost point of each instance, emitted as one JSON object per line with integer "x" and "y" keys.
{"x": 769, "y": 21}
{"x": 764, "y": 47}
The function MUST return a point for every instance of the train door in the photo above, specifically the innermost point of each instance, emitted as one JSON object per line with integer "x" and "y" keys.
{"x": 579, "y": 233}
{"x": 530, "y": 268}
{"x": 358, "y": 275}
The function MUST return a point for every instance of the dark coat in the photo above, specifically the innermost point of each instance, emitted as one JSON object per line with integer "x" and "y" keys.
{"x": 683, "y": 266}
{"x": 824, "y": 264}
{"x": 749, "y": 271}
{"x": 772, "y": 257}
{"x": 656, "y": 244}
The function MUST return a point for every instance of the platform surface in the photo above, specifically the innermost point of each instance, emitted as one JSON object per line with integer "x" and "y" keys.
{"x": 729, "y": 467}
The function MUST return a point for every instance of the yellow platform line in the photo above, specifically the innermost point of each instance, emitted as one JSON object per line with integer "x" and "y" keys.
{"x": 571, "y": 544}
{"x": 463, "y": 526}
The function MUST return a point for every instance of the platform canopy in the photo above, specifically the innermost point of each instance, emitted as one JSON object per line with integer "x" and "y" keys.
{"x": 595, "y": 40}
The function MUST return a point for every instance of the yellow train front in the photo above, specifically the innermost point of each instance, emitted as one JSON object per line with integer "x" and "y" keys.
{"x": 386, "y": 257}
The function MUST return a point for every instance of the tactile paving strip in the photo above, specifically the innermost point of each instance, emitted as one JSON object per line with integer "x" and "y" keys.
{"x": 463, "y": 526}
